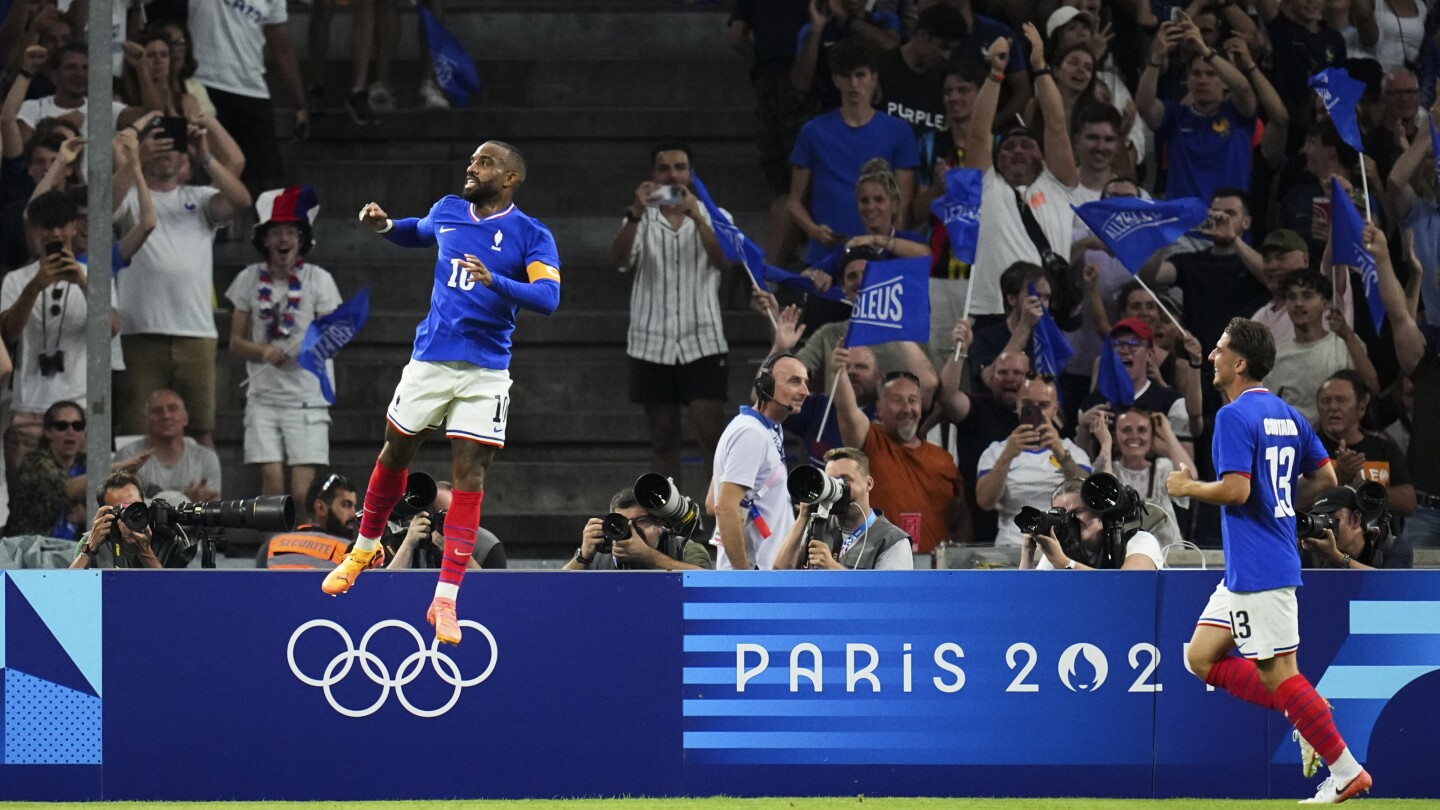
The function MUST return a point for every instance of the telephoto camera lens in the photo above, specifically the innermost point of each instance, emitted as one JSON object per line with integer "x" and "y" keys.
{"x": 811, "y": 485}
{"x": 659, "y": 496}
{"x": 1372, "y": 498}
{"x": 419, "y": 494}
{"x": 1103, "y": 493}
{"x": 267, "y": 513}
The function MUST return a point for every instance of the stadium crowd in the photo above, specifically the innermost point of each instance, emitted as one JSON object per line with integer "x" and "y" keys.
{"x": 862, "y": 109}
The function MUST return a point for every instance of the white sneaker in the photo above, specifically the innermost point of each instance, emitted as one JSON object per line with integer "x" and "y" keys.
{"x": 381, "y": 99}
{"x": 432, "y": 96}
{"x": 1332, "y": 792}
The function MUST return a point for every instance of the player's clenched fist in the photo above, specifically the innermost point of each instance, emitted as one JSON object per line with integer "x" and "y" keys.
{"x": 374, "y": 217}
{"x": 476, "y": 268}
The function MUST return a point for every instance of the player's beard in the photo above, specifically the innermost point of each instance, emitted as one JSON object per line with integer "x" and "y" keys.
{"x": 482, "y": 192}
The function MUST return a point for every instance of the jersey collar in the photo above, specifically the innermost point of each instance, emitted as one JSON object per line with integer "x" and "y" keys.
{"x": 476, "y": 218}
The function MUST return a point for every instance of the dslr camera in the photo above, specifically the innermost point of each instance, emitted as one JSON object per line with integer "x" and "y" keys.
{"x": 830, "y": 499}
{"x": 1121, "y": 511}
{"x": 1061, "y": 521}
{"x": 662, "y": 500}
{"x": 267, "y": 513}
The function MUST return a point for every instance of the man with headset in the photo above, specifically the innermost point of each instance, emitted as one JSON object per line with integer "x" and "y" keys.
{"x": 648, "y": 546}
{"x": 747, "y": 492}
{"x": 867, "y": 540}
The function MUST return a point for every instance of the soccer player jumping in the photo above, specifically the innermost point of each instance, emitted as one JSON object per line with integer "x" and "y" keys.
{"x": 491, "y": 259}
{"x": 1266, "y": 455}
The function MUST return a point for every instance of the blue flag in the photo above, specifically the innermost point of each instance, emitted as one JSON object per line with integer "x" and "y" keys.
{"x": 328, "y": 334}
{"x": 1434, "y": 147}
{"x": 959, "y": 209}
{"x": 893, "y": 304}
{"x": 1052, "y": 351}
{"x": 454, "y": 69}
{"x": 1340, "y": 94}
{"x": 1134, "y": 229}
{"x": 742, "y": 250}
{"x": 1347, "y": 247}
{"x": 1113, "y": 381}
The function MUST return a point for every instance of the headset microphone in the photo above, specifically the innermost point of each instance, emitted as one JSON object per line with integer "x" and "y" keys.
{"x": 765, "y": 381}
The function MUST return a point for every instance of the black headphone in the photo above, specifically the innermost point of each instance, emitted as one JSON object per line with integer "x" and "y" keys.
{"x": 765, "y": 379}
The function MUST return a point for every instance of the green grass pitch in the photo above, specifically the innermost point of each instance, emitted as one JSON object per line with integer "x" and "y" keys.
{"x": 724, "y": 803}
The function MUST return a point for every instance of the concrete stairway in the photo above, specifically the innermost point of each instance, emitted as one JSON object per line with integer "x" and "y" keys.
{"x": 584, "y": 94}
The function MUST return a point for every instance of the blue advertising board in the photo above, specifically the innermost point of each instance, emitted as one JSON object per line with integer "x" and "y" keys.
{"x": 252, "y": 685}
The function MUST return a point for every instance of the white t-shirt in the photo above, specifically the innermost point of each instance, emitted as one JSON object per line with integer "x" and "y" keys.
{"x": 749, "y": 455}
{"x": 1032, "y": 479}
{"x": 197, "y": 463}
{"x": 1301, "y": 368}
{"x": 230, "y": 37}
{"x": 1003, "y": 239}
{"x": 46, "y": 332}
{"x": 1142, "y": 542}
{"x": 168, "y": 287}
{"x": 288, "y": 386}
{"x": 32, "y": 110}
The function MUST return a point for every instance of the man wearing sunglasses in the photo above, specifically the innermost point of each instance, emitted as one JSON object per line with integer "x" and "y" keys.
{"x": 646, "y": 546}
{"x": 1134, "y": 344}
{"x": 322, "y": 543}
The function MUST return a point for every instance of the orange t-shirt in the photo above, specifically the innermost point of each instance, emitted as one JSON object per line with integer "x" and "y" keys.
{"x": 919, "y": 480}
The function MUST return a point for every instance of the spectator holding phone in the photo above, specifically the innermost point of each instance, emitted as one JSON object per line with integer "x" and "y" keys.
{"x": 1025, "y": 468}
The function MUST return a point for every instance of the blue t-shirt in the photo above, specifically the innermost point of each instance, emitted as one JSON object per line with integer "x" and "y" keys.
{"x": 834, "y": 152}
{"x": 987, "y": 30}
{"x": 468, "y": 321}
{"x": 1205, "y": 152}
{"x": 1270, "y": 443}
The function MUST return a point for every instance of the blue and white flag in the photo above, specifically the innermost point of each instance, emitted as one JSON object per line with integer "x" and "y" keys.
{"x": 454, "y": 69}
{"x": 328, "y": 334}
{"x": 1052, "y": 351}
{"x": 1347, "y": 247}
{"x": 893, "y": 304}
{"x": 1112, "y": 380}
{"x": 1134, "y": 229}
{"x": 742, "y": 250}
{"x": 959, "y": 209}
{"x": 1340, "y": 94}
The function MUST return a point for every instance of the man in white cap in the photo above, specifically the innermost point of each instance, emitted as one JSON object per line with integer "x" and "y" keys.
{"x": 287, "y": 420}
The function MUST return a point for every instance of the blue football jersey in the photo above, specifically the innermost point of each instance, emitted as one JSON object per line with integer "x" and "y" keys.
{"x": 468, "y": 321}
{"x": 1267, "y": 441}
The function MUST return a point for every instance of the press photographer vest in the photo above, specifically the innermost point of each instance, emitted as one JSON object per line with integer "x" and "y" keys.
{"x": 883, "y": 534}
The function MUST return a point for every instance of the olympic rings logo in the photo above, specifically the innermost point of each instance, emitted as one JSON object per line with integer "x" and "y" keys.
{"x": 409, "y": 669}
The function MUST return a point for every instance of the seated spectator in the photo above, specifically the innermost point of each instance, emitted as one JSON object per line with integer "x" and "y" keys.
{"x": 1348, "y": 546}
{"x": 1142, "y": 452}
{"x": 1022, "y": 312}
{"x": 1317, "y": 352}
{"x": 151, "y": 548}
{"x": 835, "y": 24}
{"x": 1361, "y": 455}
{"x": 860, "y": 538}
{"x": 647, "y": 545}
{"x": 416, "y": 544}
{"x": 917, "y": 482}
{"x": 322, "y": 543}
{"x": 912, "y": 75}
{"x": 832, "y": 149}
{"x": 1134, "y": 344}
{"x": 50, "y": 486}
{"x": 1142, "y": 549}
{"x": 1025, "y": 468}
{"x": 72, "y": 83}
{"x": 1206, "y": 135}
{"x": 878, "y": 202}
{"x": 167, "y": 320}
{"x": 287, "y": 420}
{"x": 173, "y": 461}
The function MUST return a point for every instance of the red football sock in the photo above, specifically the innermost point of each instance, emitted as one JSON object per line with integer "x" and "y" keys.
{"x": 1310, "y": 715}
{"x": 461, "y": 524}
{"x": 386, "y": 487}
{"x": 1239, "y": 677}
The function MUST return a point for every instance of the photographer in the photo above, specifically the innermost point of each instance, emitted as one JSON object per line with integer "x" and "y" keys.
{"x": 646, "y": 545}
{"x": 1346, "y": 545}
{"x": 420, "y": 546}
{"x": 112, "y": 544}
{"x": 1084, "y": 539}
{"x": 866, "y": 539}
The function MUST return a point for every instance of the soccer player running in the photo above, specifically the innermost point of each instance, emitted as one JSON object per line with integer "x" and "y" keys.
{"x": 1267, "y": 456}
{"x": 458, "y": 374}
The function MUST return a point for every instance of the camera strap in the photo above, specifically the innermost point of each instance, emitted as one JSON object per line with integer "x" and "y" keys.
{"x": 1032, "y": 226}
{"x": 63, "y": 287}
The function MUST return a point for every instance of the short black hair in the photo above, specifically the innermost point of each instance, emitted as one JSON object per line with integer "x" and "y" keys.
{"x": 47, "y": 138}
{"x": 52, "y": 209}
{"x": 117, "y": 480}
{"x": 1327, "y": 134}
{"x": 624, "y": 499}
{"x": 1017, "y": 275}
{"x": 317, "y": 487}
{"x": 671, "y": 146}
{"x": 513, "y": 157}
{"x": 72, "y": 47}
{"x": 1231, "y": 191}
{"x": 942, "y": 22}
{"x": 1307, "y": 279}
{"x": 1096, "y": 114}
{"x": 849, "y": 56}
{"x": 1350, "y": 375}
{"x": 1253, "y": 341}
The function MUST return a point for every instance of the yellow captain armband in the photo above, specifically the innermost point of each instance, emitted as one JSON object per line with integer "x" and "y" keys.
{"x": 540, "y": 270}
